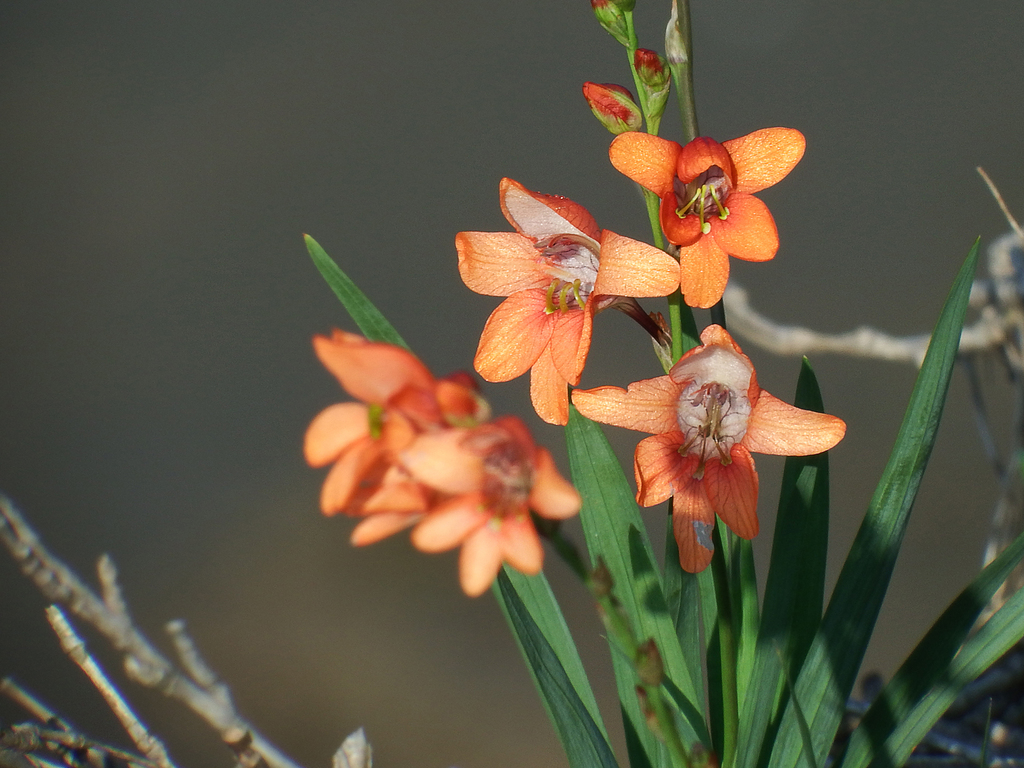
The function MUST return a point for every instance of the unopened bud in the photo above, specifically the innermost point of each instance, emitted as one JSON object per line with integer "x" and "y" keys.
{"x": 675, "y": 45}
{"x": 613, "y": 105}
{"x": 649, "y": 666}
{"x": 700, "y": 757}
{"x": 655, "y": 78}
{"x": 601, "y": 581}
{"x": 612, "y": 16}
{"x": 648, "y": 712}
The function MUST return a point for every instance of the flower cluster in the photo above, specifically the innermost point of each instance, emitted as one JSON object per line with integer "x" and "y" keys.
{"x": 424, "y": 452}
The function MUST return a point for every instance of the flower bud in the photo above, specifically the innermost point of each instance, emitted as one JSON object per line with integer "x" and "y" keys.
{"x": 611, "y": 14}
{"x": 613, "y": 105}
{"x": 649, "y": 666}
{"x": 655, "y": 78}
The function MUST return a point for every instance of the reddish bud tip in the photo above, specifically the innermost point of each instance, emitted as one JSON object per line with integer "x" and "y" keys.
{"x": 611, "y": 14}
{"x": 613, "y": 105}
{"x": 651, "y": 68}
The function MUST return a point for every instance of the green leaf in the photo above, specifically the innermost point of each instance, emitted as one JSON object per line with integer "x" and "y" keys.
{"x": 369, "y": 319}
{"x": 794, "y": 592}
{"x": 582, "y": 737}
{"x": 831, "y": 665}
{"x": 929, "y": 663}
{"x": 615, "y": 532}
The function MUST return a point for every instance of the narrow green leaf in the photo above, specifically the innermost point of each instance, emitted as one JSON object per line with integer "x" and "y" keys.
{"x": 794, "y": 592}
{"x": 615, "y": 532}
{"x": 831, "y": 665}
{"x": 930, "y": 661}
{"x": 682, "y": 594}
{"x": 746, "y": 613}
{"x": 369, "y": 319}
{"x": 585, "y": 744}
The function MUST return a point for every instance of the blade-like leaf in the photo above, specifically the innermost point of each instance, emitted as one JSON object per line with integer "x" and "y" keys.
{"x": 584, "y": 742}
{"x": 369, "y": 319}
{"x": 930, "y": 661}
{"x": 794, "y": 592}
{"x": 831, "y": 665}
{"x": 614, "y": 531}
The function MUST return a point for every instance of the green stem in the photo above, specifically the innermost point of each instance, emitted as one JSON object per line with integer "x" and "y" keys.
{"x": 680, "y": 64}
{"x": 718, "y": 313}
{"x": 727, "y": 651}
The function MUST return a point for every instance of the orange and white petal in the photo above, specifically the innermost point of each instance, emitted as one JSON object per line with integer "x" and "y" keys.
{"x": 679, "y": 231}
{"x": 537, "y": 215}
{"x": 499, "y": 263}
{"x": 631, "y": 268}
{"x": 370, "y": 371}
{"x": 515, "y": 335}
{"x": 549, "y": 391}
{"x": 659, "y": 468}
{"x": 648, "y": 160}
{"x": 379, "y": 526}
{"x": 699, "y": 155}
{"x": 716, "y": 335}
{"x": 749, "y": 232}
{"x": 570, "y": 341}
{"x": 778, "y": 428}
{"x": 646, "y": 406}
{"x": 693, "y": 523}
{"x": 439, "y": 460}
{"x": 343, "y": 480}
{"x": 552, "y": 496}
{"x": 479, "y": 562}
{"x": 703, "y": 273}
{"x": 450, "y": 524}
{"x": 520, "y": 545}
{"x": 765, "y": 157}
{"x": 732, "y": 490}
{"x": 333, "y": 430}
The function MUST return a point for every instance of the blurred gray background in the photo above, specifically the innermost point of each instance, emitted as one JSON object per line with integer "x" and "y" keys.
{"x": 158, "y": 164}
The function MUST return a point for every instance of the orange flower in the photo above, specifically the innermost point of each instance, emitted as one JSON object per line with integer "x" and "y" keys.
{"x": 488, "y": 478}
{"x": 707, "y": 205}
{"x": 707, "y": 416}
{"x": 557, "y": 270}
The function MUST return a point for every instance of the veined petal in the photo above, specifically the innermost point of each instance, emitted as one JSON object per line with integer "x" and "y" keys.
{"x": 749, "y": 232}
{"x": 520, "y": 545}
{"x": 732, "y": 490}
{"x": 370, "y": 371}
{"x": 570, "y": 341}
{"x": 537, "y": 215}
{"x": 648, "y": 160}
{"x": 659, "y": 468}
{"x": 631, "y": 268}
{"x": 699, "y": 155}
{"x": 646, "y": 406}
{"x": 333, "y": 430}
{"x": 679, "y": 231}
{"x": 499, "y": 263}
{"x": 450, "y": 524}
{"x": 781, "y": 429}
{"x": 439, "y": 459}
{"x": 703, "y": 272}
{"x": 479, "y": 562}
{"x": 764, "y": 157}
{"x": 549, "y": 391}
{"x": 381, "y": 525}
{"x": 514, "y": 336}
{"x": 552, "y": 496}
{"x": 344, "y": 478}
{"x": 693, "y": 521}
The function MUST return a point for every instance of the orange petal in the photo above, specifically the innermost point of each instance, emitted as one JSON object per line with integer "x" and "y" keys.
{"x": 514, "y": 336}
{"x": 537, "y": 215}
{"x": 749, "y": 232}
{"x": 692, "y": 523}
{"x": 333, "y": 430}
{"x": 781, "y": 429}
{"x": 499, "y": 263}
{"x": 570, "y": 341}
{"x": 450, "y": 524}
{"x": 520, "y": 545}
{"x": 379, "y": 526}
{"x": 552, "y": 496}
{"x": 648, "y": 160}
{"x": 549, "y": 391}
{"x": 344, "y": 478}
{"x": 699, "y": 155}
{"x": 703, "y": 273}
{"x": 479, "y": 562}
{"x": 718, "y": 336}
{"x": 764, "y": 157}
{"x": 646, "y": 406}
{"x": 439, "y": 459}
{"x": 679, "y": 231}
{"x": 631, "y": 268}
{"x": 369, "y": 371}
{"x": 397, "y": 495}
{"x": 659, "y": 468}
{"x": 732, "y": 491}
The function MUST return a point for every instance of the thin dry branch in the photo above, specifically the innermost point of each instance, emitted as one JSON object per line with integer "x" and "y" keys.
{"x": 202, "y": 692}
